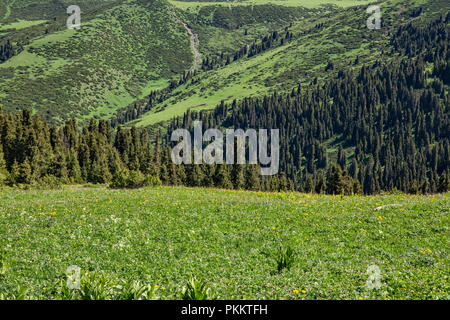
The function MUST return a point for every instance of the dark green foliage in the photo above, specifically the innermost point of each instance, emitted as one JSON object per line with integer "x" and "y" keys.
{"x": 196, "y": 290}
{"x": 131, "y": 179}
{"x": 238, "y": 176}
{"x": 285, "y": 259}
{"x": 339, "y": 182}
{"x": 222, "y": 177}
{"x": 385, "y": 117}
{"x": 444, "y": 183}
{"x": 6, "y": 51}
{"x": 123, "y": 158}
{"x": 3, "y": 171}
{"x": 96, "y": 285}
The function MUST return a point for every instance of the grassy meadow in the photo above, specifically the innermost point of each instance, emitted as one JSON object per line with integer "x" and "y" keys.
{"x": 231, "y": 240}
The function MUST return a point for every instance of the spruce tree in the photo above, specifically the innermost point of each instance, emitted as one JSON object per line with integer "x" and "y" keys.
{"x": 238, "y": 176}
{"x": 252, "y": 178}
{"x": 222, "y": 177}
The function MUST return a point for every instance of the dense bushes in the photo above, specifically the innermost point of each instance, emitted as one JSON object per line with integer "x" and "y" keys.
{"x": 340, "y": 183}
{"x": 132, "y": 179}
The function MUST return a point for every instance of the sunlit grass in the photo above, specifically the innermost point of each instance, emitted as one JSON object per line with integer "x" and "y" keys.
{"x": 231, "y": 239}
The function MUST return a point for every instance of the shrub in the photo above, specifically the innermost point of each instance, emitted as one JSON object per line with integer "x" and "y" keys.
{"x": 339, "y": 182}
{"x": 135, "y": 290}
{"x": 3, "y": 176}
{"x": 285, "y": 259}
{"x": 51, "y": 182}
{"x": 131, "y": 179}
{"x": 96, "y": 286}
{"x": 20, "y": 294}
{"x": 196, "y": 290}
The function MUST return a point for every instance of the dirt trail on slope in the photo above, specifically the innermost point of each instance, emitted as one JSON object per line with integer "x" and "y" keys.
{"x": 194, "y": 45}
{"x": 8, "y": 9}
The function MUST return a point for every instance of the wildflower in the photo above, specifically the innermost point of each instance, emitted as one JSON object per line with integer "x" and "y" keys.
{"x": 295, "y": 291}
{"x": 303, "y": 291}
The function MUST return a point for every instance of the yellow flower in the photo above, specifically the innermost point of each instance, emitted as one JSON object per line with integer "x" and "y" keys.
{"x": 303, "y": 291}
{"x": 295, "y": 291}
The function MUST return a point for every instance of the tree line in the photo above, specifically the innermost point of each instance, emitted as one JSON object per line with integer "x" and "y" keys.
{"x": 34, "y": 153}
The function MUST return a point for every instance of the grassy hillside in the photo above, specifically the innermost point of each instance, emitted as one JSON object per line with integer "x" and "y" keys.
{"x": 162, "y": 236}
{"x": 339, "y": 36}
{"x": 195, "y": 5}
{"x": 124, "y": 50}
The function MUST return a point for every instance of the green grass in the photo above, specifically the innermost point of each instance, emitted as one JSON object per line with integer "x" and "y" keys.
{"x": 21, "y": 24}
{"x": 231, "y": 240}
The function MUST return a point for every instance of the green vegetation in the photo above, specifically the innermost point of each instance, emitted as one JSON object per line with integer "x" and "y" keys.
{"x": 126, "y": 179}
{"x": 321, "y": 36}
{"x": 97, "y": 286}
{"x": 86, "y": 195}
{"x": 285, "y": 259}
{"x": 191, "y": 5}
{"x": 165, "y": 236}
{"x": 69, "y": 73}
{"x": 21, "y": 24}
{"x": 121, "y": 53}
{"x": 196, "y": 290}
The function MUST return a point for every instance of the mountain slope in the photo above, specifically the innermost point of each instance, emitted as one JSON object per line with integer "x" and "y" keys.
{"x": 320, "y": 47}
{"x": 123, "y": 50}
